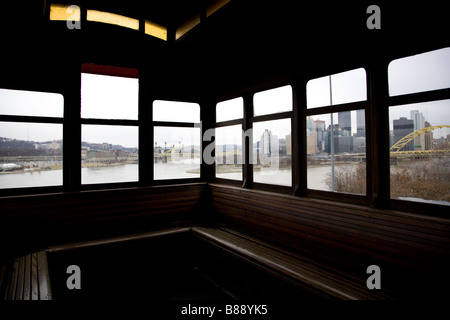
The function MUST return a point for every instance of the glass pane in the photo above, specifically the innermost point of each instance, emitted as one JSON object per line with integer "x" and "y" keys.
{"x": 155, "y": 30}
{"x": 109, "y": 97}
{"x": 422, "y": 72}
{"x": 345, "y": 87}
{"x": 229, "y": 152}
{"x": 31, "y": 155}
{"x": 273, "y": 101}
{"x": 62, "y": 12}
{"x": 31, "y": 103}
{"x": 336, "y": 158}
{"x": 175, "y": 111}
{"x": 272, "y": 152}
{"x": 420, "y": 152}
{"x": 177, "y": 153}
{"x": 230, "y": 110}
{"x": 109, "y": 154}
{"x": 112, "y": 18}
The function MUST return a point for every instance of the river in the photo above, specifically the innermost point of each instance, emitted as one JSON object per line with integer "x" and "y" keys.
{"x": 129, "y": 173}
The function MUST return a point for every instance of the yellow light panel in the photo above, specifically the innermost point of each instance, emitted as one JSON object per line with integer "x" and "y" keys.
{"x": 155, "y": 30}
{"x": 112, "y": 18}
{"x": 187, "y": 26}
{"x": 215, "y": 5}
{"x": 61, "y": 12}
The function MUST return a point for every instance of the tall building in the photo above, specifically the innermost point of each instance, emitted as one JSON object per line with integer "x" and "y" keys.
{"x": 419, "y": 123}
{"x": 403, "y": 127}
{"x": 345, "y": 121}
{"x": 360, "y": 123}
{"x": 265, "y": 145}
{"x": 428, "y": 137}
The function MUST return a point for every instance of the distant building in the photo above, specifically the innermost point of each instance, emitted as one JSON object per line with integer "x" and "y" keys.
{"x": 265, "y": 146}
{"x": 403, "y": 127}
{"x": 360, "y": 123}
{"x": 419, "y": 123}
{"x": 428, "y": 137}
{"x": 345, "y": 121}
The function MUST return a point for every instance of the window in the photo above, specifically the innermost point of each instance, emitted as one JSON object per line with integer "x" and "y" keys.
{"x": 272, "y": 147}
{"x": 109, "y": 153}
{"x": 336, "y": 141}
{"x": 176, "y": 139}
{"x": 430, "y": 67}
{"x": 272, "y": 101}
{"x": 63, "y": 12}
{"x": 109, "y": 97}
{"x": 228, "y": 139}
{"x": 31, "y": 141}
{"x": 230, "y": 110}
{"x": 109, "y": 114}
{"x": 420, "y": 128}
{"x": 340, "y": 88}
{"x": 272, "y": 152}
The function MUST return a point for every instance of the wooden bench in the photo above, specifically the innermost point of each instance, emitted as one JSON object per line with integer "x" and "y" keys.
{"x": 26, "y": 278}
{"x": 319, "y": 279}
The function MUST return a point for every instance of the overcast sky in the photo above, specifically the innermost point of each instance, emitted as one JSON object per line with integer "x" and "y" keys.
{"x": 117, "y": 98}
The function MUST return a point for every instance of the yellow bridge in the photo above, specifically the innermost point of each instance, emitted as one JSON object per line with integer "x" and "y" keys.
{"x": 398, "y": 146}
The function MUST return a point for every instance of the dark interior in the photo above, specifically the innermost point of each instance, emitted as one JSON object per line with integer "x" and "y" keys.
{"x": 244, "y": 47}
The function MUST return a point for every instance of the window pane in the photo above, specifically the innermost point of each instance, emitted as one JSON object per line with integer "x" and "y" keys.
{"x": 345, "y": 87}
{"x": 175, "y": 111}
{"x": 109, "y": 154}
{"x": 272, "y": 152}
{"x": 422, "y": 72}
{"x": 420, "y": 152}
{"x": 273, "y": 101}
{"x": 31, "y": 103}
{"x": 229, "y": 152}
{"x": 336, "y": 158}
{"x": 109, "y": 97}
{"x": 230, "y": 110}
{"x": 31, "y": 154}
{"x": 177, "y": 153}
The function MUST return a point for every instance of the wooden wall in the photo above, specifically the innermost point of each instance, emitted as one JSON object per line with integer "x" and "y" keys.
{"x": 33, "y": 222}
{"x": 412, "y": 250}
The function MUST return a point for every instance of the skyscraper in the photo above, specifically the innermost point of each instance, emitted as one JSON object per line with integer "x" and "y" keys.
{"x": 360, "y": 123}
{"x": 265, "y": 146}
{"x": 403, "y": 127}
{"x": 345, "y": 121}
{"x": 419, "y": 123}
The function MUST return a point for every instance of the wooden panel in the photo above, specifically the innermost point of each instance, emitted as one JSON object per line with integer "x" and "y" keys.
{"x": 34, "y": 277}
{"x": 307, "y": 272}
{"x": 345, "y": 236}
{"x": 45, "y": 292}
{"x": 42, "y": 220}
{"x": 27, "y": 281}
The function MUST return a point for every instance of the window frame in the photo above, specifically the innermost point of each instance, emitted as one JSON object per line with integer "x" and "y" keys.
{"x": 363, "y": 199}
{"x": 229, "y": 123}
{"x": 116, "y": 71}
{"x": 39, "y": 120}
{"x": 154, "y": 123}
{"x": 269, "y": 117}
{"x": 406, "y": 99}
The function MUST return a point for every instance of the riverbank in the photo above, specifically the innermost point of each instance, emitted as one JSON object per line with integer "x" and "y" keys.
{"x": 101, "y": 165}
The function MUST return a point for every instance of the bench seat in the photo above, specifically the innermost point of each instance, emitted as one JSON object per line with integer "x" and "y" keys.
{"x": 307, "y": 273}
{"x": 26, "y": 278}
